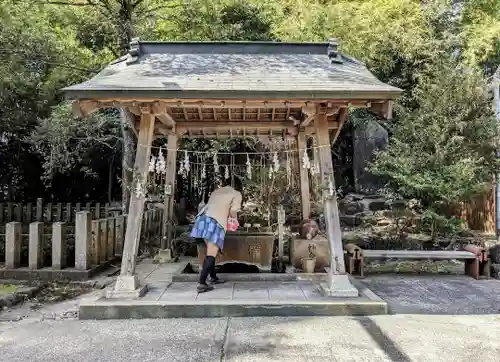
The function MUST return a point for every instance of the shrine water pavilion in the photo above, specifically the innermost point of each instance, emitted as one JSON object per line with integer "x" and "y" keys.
{"x": 233, "y": 89}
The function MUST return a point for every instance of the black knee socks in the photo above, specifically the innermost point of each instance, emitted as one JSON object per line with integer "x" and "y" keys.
{"x": 208, "y": 268}
{"x": 212, "y": 272}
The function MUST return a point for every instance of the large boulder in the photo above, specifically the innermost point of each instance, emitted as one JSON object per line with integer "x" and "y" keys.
{"x": 347, "y": 207}
{"x": 369, "y": 137}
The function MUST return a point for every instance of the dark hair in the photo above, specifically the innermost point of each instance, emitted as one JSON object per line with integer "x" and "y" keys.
{"x": 237, "y": 184}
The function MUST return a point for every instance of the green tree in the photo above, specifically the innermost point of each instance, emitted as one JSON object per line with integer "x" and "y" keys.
{"x": 38, "y": 59}
{"x": 443, "y": 150}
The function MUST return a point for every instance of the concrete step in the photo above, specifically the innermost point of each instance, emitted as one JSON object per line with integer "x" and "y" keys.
{"x": 235, "y": 299}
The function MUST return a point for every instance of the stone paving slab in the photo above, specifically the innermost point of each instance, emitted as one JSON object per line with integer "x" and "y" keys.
{"x": 402, "y": 338}
{"x": 297, "y": 339}
{"x": 237, "y": 299}
{"x": 436, "y": 294}
{"x": 177, "y": 340}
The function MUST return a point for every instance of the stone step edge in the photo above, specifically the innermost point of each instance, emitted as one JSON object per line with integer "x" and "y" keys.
{"x": 107, "y": 310}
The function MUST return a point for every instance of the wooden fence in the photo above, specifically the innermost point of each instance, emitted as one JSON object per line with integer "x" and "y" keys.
{"x": 84, "y": 246}
{"x": 479, "y": 213}
{"x": 53, "y": 212}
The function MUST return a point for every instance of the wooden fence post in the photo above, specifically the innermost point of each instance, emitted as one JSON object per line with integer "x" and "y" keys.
{"x": 39, "y": 209}
{"x": 120, "y": 234}
{"x": 97, "y": 211}
{"x": 35, "y": 248}
{"x": 69, "y": 212}
{"x": 29, "y": 213}
{"x": 59, "y": 212}
{"x": 111, "y": 238}
{"x": 96, "y": 233}
{"x": 13, "y": 243}
{"x": 59, "y": 245}
{"x": 9, "y": 212}
{"x": 103, "y": 240}
{"x": 49, "y": 212}
{"x": 83, "y": 240}
{"x": 18, "y": 212}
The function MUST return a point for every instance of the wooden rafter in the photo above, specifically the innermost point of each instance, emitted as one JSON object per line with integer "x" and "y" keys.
{"x": 85, "y": 108}
{"x": 342, "y": 118}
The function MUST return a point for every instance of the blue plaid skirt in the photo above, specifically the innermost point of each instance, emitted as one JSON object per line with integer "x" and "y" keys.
{"x": 208, "y": 229}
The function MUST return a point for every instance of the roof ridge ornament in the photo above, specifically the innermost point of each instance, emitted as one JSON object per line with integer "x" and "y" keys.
{"x": 134, "y": 51}
{"x": 333, "y": 53}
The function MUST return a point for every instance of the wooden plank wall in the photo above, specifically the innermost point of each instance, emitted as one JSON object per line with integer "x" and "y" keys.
{"x": 479, "y": 213}
{"x": 51, "y": 212}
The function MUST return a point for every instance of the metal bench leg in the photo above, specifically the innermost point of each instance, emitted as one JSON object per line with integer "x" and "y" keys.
{"x": 347, "y": 262}
{"x": 485, "y": 269}
{"x": 361, "y": 266}
{"x": 472, "y": 268}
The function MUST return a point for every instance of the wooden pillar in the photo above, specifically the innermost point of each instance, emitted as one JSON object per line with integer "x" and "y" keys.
{"x": 327, "y": 182}
{"x": 35, "y": 245}
{"x": 281, "y": 236}
{"x": 338, "y": 284}
{"x": 305, "y": 195}
{"x": 168, "y": 210}
{"x": 58, "y": 245}
{"x": 127, "y": 284}
{"x": 83, "y": 240}
{"x": 13, "y": 244}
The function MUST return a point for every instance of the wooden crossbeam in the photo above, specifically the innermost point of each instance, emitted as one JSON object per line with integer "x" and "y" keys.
{"x": 83, "y": 109}
{"x": 383, "y": 110}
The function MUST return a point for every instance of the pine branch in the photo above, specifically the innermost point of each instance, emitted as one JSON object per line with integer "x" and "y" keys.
{"x": 148, "y": 12}
{"x": 55, "y": 2}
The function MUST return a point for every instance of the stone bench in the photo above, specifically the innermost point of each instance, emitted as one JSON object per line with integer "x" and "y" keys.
{"x": 477, "y": 262}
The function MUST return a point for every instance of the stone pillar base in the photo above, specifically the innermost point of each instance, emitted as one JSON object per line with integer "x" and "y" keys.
{"x": 338, "y": 285}
{"x": 127, "y": 287}
{"x": 163, "y": 256}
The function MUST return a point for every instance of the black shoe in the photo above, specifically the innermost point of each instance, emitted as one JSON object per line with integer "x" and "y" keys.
{"x": 202, "y": 288}
{"x": 216, "y": 281}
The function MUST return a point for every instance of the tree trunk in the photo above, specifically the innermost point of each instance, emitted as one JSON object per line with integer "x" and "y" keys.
{"x": 129, "y": 146}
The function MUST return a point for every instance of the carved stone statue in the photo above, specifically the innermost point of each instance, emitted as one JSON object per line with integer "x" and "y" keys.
{"x": 308, "y": 229}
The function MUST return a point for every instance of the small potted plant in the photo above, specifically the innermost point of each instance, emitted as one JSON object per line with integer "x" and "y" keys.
{"x": 309, "y": 264}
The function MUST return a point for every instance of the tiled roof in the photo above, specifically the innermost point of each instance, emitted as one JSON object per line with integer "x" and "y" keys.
{"x": 247, "y": 70}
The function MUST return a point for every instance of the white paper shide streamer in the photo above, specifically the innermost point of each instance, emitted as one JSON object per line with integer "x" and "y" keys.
{"x": 249, "y": 168}
{"x": 305, "y": 161}
{"x": 161, "y": 165}
{"x": 185, "y": 166}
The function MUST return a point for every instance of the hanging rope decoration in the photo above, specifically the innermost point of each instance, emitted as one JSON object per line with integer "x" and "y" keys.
{"x": 331, "y": 189}
{"x": 216, "y": 169}
{"x": 288, "y": 169}
{"x": 139, "y": 189}
{"x": 161, "y": 165}
{"x": 305, "y": 161}
{"x": 276, "y": 162}
{"x": 203, "y": 177}
{"x": 249, "y": 168}
{"x": 315, "y": 167}
{"x": 157, "y": 164}
{"x": 152, "y": 164}
{"x": 185, "y": 167}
